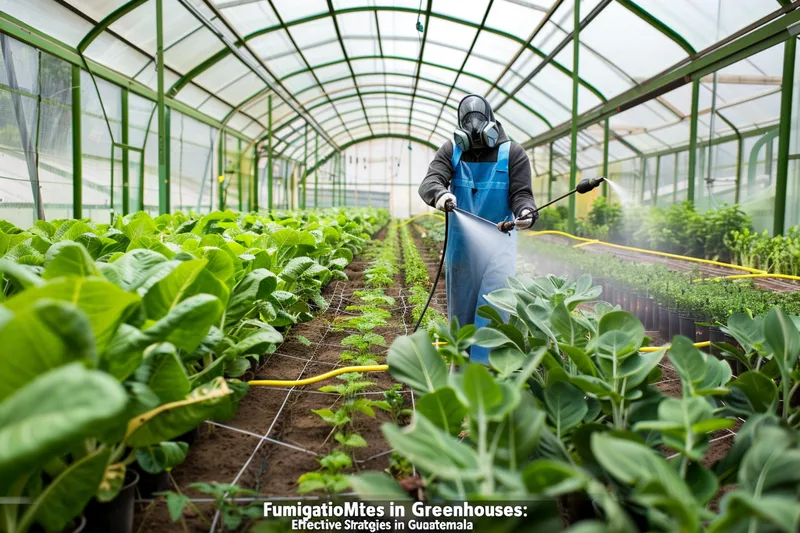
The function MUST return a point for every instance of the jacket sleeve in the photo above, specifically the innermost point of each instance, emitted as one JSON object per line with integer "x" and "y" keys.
{"x": 520, "y": 192}
{"x": 440, "y": 171}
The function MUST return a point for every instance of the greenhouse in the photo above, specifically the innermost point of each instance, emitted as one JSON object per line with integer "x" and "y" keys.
{"x": 384, "y": 265}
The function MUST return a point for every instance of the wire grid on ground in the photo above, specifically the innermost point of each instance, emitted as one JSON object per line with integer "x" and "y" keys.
{"x": 340, "y": 300}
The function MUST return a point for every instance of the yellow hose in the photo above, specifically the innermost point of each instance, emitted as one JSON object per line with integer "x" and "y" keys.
{"x": 382, "y": 368}
{"x": 749, "y": 276}
{"x": 587, "y": 242}
{"x": 315, "y": 379}
{"x": 436, "y": 215}
{"x": 648, "y": 349}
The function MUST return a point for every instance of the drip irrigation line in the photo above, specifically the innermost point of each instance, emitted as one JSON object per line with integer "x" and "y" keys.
{"x": 272, "y": 425}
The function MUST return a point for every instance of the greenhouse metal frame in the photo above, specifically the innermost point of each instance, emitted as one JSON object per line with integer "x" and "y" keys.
{"x": 303, "y": 83}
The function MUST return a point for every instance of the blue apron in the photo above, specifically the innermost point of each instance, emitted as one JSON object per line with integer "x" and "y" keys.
{"x": 480, "y": 189}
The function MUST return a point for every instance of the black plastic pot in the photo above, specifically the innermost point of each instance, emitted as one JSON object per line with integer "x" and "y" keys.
{"x": 674, "y": 325}
{"x": 625, "y": 299}
{"x": 650, "y": 319}
{"x": 715, "y": 335}
{"x": 703, "y": 333}
{"x": 611, "y": 294}
{"x": 149, "y": 483}
{"x": 116, "y": 515}
{"x": 663, "y": 321}
{"x": 633, "y": 304}
{"x": 687, "y": 327}
{"x": 189, "y": 437}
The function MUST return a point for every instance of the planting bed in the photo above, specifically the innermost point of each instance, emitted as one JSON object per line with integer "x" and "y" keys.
{"x": 274, "y": 437}
{"x": 707, "y": 270}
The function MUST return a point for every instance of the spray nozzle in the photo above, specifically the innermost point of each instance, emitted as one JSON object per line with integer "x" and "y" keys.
{"x": 588, "y": 184}
{"x": 449, "y": 206}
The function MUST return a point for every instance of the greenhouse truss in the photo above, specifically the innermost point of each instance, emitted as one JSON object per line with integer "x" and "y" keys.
{"x": 195, "y": 104}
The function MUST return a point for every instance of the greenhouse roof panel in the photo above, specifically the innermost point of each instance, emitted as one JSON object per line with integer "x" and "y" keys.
{"x": 339, "y": 65}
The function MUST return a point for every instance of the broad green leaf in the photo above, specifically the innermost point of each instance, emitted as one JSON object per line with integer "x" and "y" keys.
{"x": 105, "y": 304}
{"x": 257, "y": 343}
{"x": 187, "y": 279}
{"x": 507, "y": 359}
{"x": 161, "y": 456}
{"x": 68, "y": 258}
{"x": 566, "y": 406}
{"x": 187, "y": 323}
{"x": 783, "y": 338}
{"x": 377, "y": 486}
{"x": 173, "y": 419}
{"x": 136, "y": 267}
{"x": 254, "y": 287}
{"x": 443, "y": 409}
{"x": 772, "y": 463}
{"x": 433, "y": 450}
{"x": 484, "y": 397}
{"x": 414, "y": 361}
{"x": 581, "y": 359}
{"x": 163, "y": 372}
{"x": 760, "y": 391}
{"x": 219, "y": 263}
{"x": 40, "y": 338}
{"x": 53, "y": 412}
{"x": 742, "y": 512}
{"x": 111, "y": 484}
{"x": 22, "y": 275}
{"x": 570, "y": 332}
{"x": 65, "y": 497}
{"x": 488, "y": 337}
{"x": 749, "y": 332}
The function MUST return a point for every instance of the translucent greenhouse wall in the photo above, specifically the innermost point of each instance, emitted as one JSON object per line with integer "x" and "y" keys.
{"x": 736, "y": 155}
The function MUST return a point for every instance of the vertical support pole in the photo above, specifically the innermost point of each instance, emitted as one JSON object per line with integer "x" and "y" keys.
{"x": 343, "y": 187}
{"x": 410, "y": 155}
{"x": 658, "y": 177}
{"x": 304, "y": 178}
{"x": 316, "y": 171}
{"x": 77, "y": 138}
{"x": 221, "y": 166}
{"x": 573, "y": 150}
{"x": 254, "y": 184}
{"x": 784, "y": 135}
{"x": 239, "y": 171}
{"x": 675, "y": 180}
{"x": 163, "y": 134}
{"x": 739, "y": 154}
{"x": 550, "y": 176}
{"x": 693, "y": 139}
{"x": 269, "y": 152}
{"x": 125, "y": 154}
{"x": 605, "y": 157}
{"x": 644, "y": 179}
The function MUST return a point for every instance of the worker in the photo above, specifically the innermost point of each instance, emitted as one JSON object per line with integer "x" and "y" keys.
{"x": 483, "y": 173}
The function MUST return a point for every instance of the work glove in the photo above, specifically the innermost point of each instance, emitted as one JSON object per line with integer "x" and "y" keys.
{"x": 526, "y": 219}
{"x": 443, "y": 199}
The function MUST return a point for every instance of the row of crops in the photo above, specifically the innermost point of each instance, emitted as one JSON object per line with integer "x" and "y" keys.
{"x": 573, "y": 417}
{"x": 119, "y": 339}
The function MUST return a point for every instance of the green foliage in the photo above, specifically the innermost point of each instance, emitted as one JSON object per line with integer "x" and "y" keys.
{"x": 119, "y": 338}
{"x": 570, "y": 407}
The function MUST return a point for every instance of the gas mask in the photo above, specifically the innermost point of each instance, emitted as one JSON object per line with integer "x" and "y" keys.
{"x": 477, "y": 128}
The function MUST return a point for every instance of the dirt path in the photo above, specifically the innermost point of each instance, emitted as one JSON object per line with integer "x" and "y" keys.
{"x": 274, "y": 437}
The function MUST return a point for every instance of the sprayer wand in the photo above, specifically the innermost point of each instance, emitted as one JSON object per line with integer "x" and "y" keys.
{"x": 585, "y": 185}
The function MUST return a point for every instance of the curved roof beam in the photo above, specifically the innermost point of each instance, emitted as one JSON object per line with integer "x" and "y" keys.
{"x": 395, "y": 93}
{"x": 419, "y": 58}
{"x": 291, "y": 152}
{"x": 359, "y": 140}
{"x": 399, "y": 58}
{"x": 264, "y": 31}
{"x": 351, "y": 96}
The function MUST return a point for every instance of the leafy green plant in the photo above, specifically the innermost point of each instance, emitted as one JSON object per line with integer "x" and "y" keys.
{"x": 225, "y": 497}
{"x": 330, "y": 478}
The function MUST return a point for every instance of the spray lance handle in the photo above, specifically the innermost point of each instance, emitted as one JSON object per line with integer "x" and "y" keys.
{"x": 584, "y": 186}
{"x": 449, "y": 206}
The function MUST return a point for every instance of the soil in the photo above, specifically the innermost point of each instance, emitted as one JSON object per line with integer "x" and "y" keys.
{"x": 274, "y": 437}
